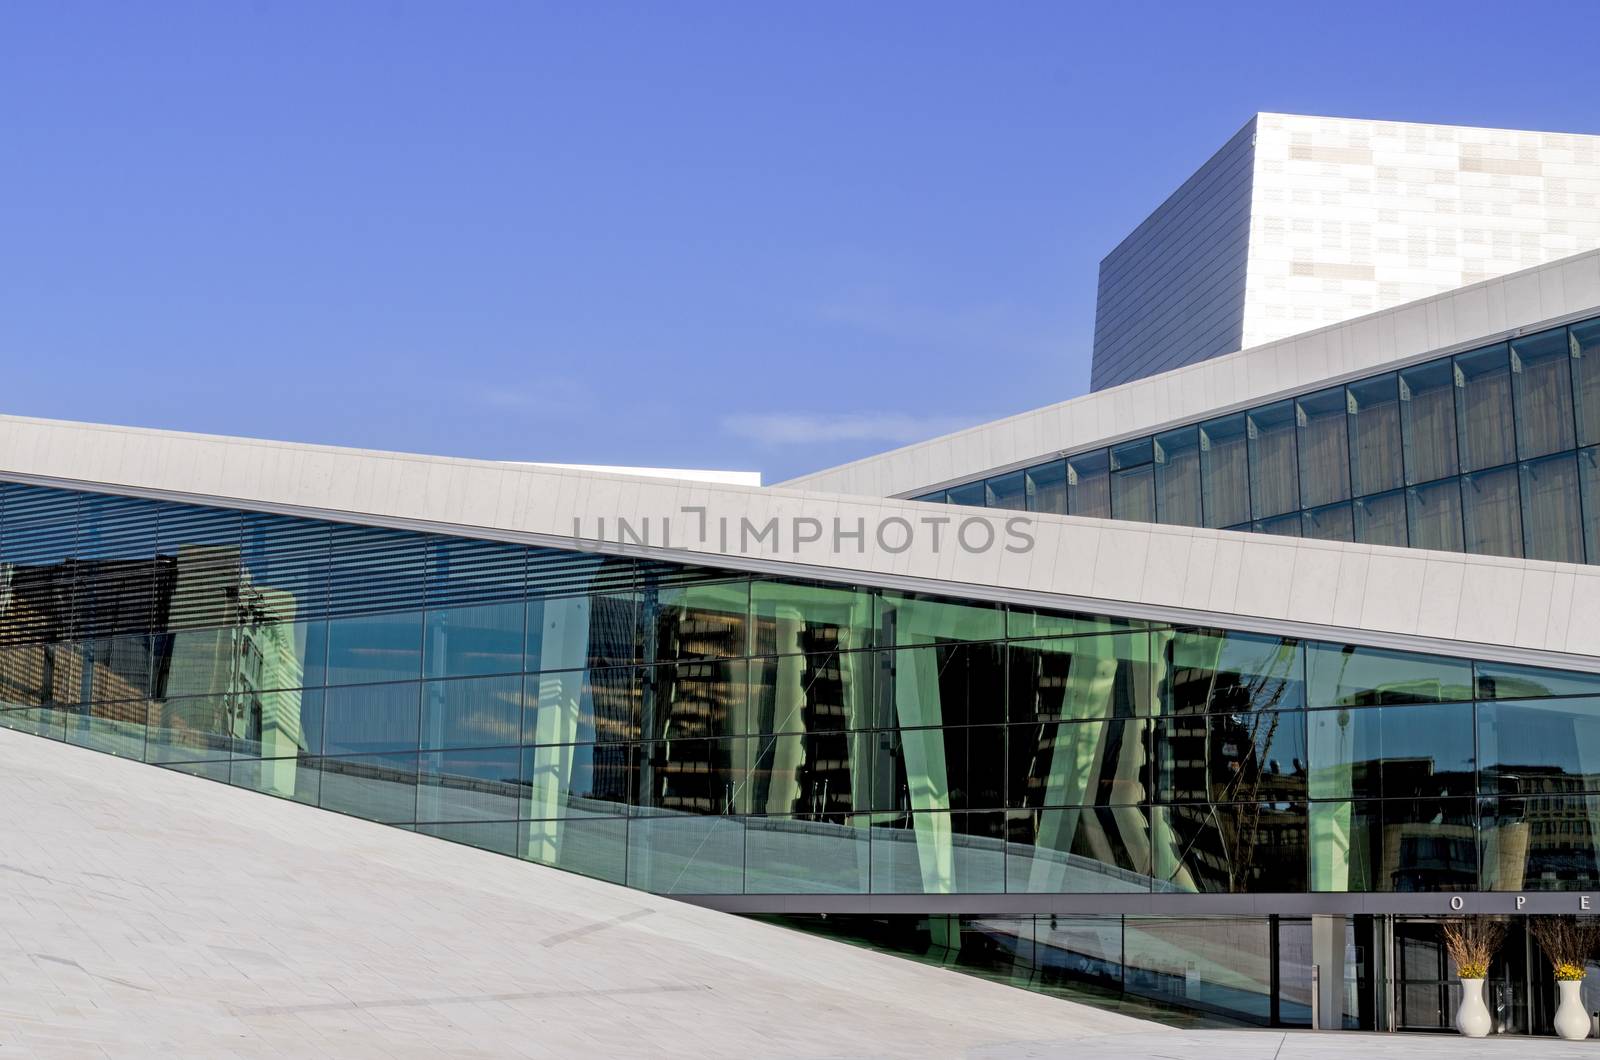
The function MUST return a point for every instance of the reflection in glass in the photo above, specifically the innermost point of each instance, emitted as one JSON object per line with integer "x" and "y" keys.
{"x": 474, "y": 712}
{"x": 1089, "y": 485}
{"x": 1343, "y": 675}
{"x": 794, "y": 617}
{"x": 1507, "y": 681}
{"x": 1539, "y": 747}
{"x": 939, "y": 853}
{"x": 1483, "y": 408}
{"x": 1541, "y": 378}
{"x": 815, "y": 775}
{"x": 705, "y": 698}
{"x": 1492, "y": 511}
{"x": 1395, "y": 845}
{"x": 375, "y": 648}
{"x": 470, "y": 641}
{"x": 1550, "y": 843}
{"x": 686, "y": 854}
{"x": 1324, "y": 447}
{"x": 380, "y": 788}
{"x": 1274, "y": 474}
{"x": 694, "y": 621}
{"x": 951, "y": 768}
{"x": 1217, "y": 671}
{"x": 480, "y": 784}
{"x": 1080, "y": 678}
{"x": 696, "y": 776}
{"x": 807, "y": 854}
{"x": 823, "y": 691}
{"x": 952, "y": 684}
{"x": 1225, "y": 471}
{"x": 1375, "y": 443}
{"x": 1078, "y": 850}
{"x": 576, "y": 780}
{"x": 1239, "y": 849}
{"x": 971, "y": 494}
{"x": 909, "y": 619}
{"x": 595, "y": 847}
{"x": 1289, "y": 525}
{"x": 1077, "y": 764}
{"x": 1253, "y": 756}
{"x": 364, "y": 719}
{"x": 1177, "y": 457}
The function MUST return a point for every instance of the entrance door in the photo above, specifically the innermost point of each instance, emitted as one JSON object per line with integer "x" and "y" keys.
{"x": 1426, "y": 989}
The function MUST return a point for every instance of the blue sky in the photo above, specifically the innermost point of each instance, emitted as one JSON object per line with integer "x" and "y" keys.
{"x": 745, "y": 235}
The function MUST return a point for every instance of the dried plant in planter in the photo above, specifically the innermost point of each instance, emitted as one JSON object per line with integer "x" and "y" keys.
{"x": 1568, "y": 941}
{"x": 1472, "y": 943}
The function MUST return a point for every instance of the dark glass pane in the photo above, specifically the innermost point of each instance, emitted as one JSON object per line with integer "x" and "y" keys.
{"x": 936, "y": 497}
{"x": 1133, "y": 494}
{"x": 1428, "y": 421}
{"x": 1428, "y": 752}
{"x": 1280, "y": 526}
{"x": 1047, "y": 487}
{"x": 1539, "y": 747}
{"x": 696, "y": 776}
{"x": 470, "y": 641}
{"x": 1376, "y": 449}
{"x": 1332, "y": 523}
{"x": 1583, "y": 342}
{"x": 1214, "y": 672}
{"x": 1247, "y": 757}
{"x": 1006, "y": 491}
{"x": 475, "y": 712}
{"x": 365, "y": 719}
{"x": 1089, "y": 485}
{"x": 1225, "y": 471}
{"x": 807, "y": 854}
{"x": 1078, "y": 764}
{"x": 1216, "y": 965}
{"x": 939, "y": 769}
{"x": 694, "y": 621}
{"x": 1347, "y": 676}
{"x": 791, "y": 617}
{"x": 971, "y": 494}
{"x": 819, "y": 692}
{"x": 481, "y": 784}
{"x": 909, "y": 619}
{"x": 1177, "y": 456}
{"x": 939, "y": 853}
{"x": 1396, "y": 845}
{"x": 1381, "y": 520}
{"x": 583, "y": 706}
{"x": 1506, "y": 681}
{"x": 705, "y": 698}
{"x": 814, "y": 774}
{"x": 1541, "y": 379}
{"x": 1324, "y": 447}
{"x": 375, "y": 648}
{"x": 380, "y": 788}
{"x": 1274, "y": 475}
{"x": 1483, "y": 408}
{"x": 1589, "y": 485}
{"x": 1234, "y": 849}
{"x": 1492, "y": 512}
{"x": 576, "y": 780}
{"x": 1545, "y": 844}
{"x": 1552, "y": 512}
{"x": 1346, "y": 753}
{"x": 1078, "y": 850}
{"x": 1433, "y": 516}
{"x": 1080, "y": 678}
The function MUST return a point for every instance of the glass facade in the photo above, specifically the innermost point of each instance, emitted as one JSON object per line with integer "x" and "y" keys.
{"x": 1494, "y": 451}
{"x": 694, "y": 731}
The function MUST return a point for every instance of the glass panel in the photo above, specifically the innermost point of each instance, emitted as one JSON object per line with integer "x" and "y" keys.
{"x": 114, "y": 728}
{"x": 1375, "y": 442}
{"x": 1274, "y": 476}
{"x": 939, "y": 853}
{"x": 473, "y": 785}
{"x": 807, "y": 855}
{"x": 583, "y": 706}
{"x": 1552, "y": 515}
{"x": 1505, "y": 681}
{"x": 1225, "y": 471}
{"x": 1006, "y": 491}
{"x": 1077, "y": 764}
{"x": 1433, "y": 516}
{"x": 1348, "y": 676}
{"x": 1397, "y": 845}
{"x": 288, "y": 778}
{"x": 1231, "y": 849}
{"x": 1089, "y": 485}
{"x": 1025, "y": 622}
{"x": 1381, "y": 520}
{"x": 1539, "y": 747}
{"x": 1589, "y": 481}
{"x": 1483, "y": 408}
{"x": 1324, "y": 447}
{"x": 1332, "y": 523}
{"x": 280, "y": 723}
{"x": 571, "y": 632}
{"x": 908, "y": 619}
{"x": 971, "y": 494}
{"x": 1281, "y": 526}
{"x": 1584, "y": 345}
{"x": 802, "y": 618}
{"x": 1246, "y": 757}
{"x": 371, "y": 718}
{"x": 380, "y": 788}
{"x": 469, "y": 641}
{"x": 1177, "y": 456}
{"x": 499, "y": 837}
{"x": 1047, "y": 487}
{"x": 591, "y": 847}
{"x": 939, "y": 769}
{"x": 936, "y": 497}
{"x": 704, "y": 698}
{"x": 1346, "y": 749}
{"x": 193, "y": 728}
{"x": 696, "y": 776}
{"x": 1428, "y": 421}
{"x": 187, "y": 662}
{"x": 953, "y": 684}
{"x": 1551, "y": 843}
{"x": 1492, "y": 512}
{"x": 477, "y": 712}
{"x": 375, "y": 648}
{"x": 1219, "y": 965}
{"x": 823, "y": 691}
{"x": 576, "y": 780}
{"x": 1073, "y": 850}
{"x": 1541, "y": 379}
{"x": 1216, "y": 671}
{"x": 1133, "y": 487}
{"x": 1080, "y": 678}
{"x": 686, "y": 855}
{"x": 281, "y": 654}
{"x": 1428, "y": 752}
{"x": 814, "y": 774}
{"x": 694, "y": 621}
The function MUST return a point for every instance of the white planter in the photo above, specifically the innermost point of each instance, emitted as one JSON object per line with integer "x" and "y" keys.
{"x": 1472, "y": 1017}
{"x": 1571, "y": 1021}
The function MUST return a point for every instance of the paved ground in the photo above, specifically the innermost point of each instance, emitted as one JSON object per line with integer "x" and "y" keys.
{"x": 144, "y": 912}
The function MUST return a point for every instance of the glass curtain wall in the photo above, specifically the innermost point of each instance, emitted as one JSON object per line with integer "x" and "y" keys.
{"x": 1493, "y": 452}
{"x": 693, "y": 731}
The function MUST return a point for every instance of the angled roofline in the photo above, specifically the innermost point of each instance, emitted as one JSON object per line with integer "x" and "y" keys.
{"x": 1520, "y": 302}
